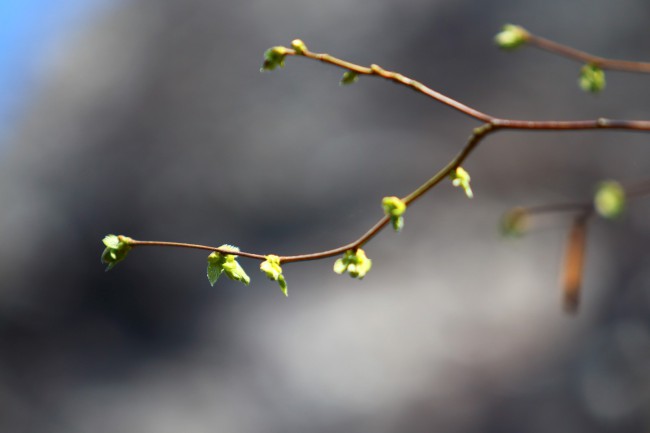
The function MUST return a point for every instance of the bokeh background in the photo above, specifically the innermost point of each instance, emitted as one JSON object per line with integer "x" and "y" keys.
{"x": 150, "y": 118}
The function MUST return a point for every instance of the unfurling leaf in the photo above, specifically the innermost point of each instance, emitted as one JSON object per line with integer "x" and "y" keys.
{"x": 273, "y": 58}
{"x": 511, "y": 37}
{"x": 609, "y": 200}
{"x": 117, "y": 247}
{"x": 214, "y": 269}
{"x": 394, "y": 207}
{"x": 219, "y": 263}
{"x": 271, "y": 267}
{"x": 355, "y": 263}
{"x": 592, "y": 79}
{"x": 459, "y": 177}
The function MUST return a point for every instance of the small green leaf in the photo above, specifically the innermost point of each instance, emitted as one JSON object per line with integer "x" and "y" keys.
{"x": 283, "y": 285}
{"x": 235, "y": 272}
{"x": 511, "y": 37}
{"x": 299, "y": 46}
{"x": 394, "y": 207}
{"x": 397, "y": 223}
{"x": 340, "y": 265}
{"x": 515, "y": 222}
{"x": 215, "y": 267}
{"x": 273, "y": 58}
{"x": 117, "y": 247}
{"x": 609, "y": 200}
{"x": 111, "y": 241}
{"x": 355, "y": 263}
{"x": 271, "y": 267}
{"x": 461, "y": 178}
{"x": 592, "y": 79}
{"x": 219, "y": 263}
{"x": 349, "y": 77}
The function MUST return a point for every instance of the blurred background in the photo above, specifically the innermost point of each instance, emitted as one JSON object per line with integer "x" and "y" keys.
{"x": 150, "y": 118}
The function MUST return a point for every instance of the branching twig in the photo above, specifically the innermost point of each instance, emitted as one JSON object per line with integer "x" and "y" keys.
{"x": 592, "y": 73}
{"x": 511, "y": 37}
{"x": 491, "y": 124}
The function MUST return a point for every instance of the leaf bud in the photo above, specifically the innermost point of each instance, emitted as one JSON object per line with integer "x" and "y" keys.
{"x": 511, "y": 37}
{"x": 273, "y": 58}
{"x": 299, "y": 46}
{"x": 592, "y": 79}
{"x": 609, "y": 200}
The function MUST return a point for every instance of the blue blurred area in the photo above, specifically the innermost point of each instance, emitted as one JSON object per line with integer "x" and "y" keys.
{"x": 29, "y": 29}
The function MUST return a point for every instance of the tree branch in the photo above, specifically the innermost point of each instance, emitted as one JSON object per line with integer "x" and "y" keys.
{"x": 609, "y": 201}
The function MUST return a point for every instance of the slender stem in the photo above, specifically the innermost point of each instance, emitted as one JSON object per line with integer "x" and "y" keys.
{"x": 284, "y": 259}
{"x": 573, "y": 125}
{"x": 136, "y": 243}
{"x": 555, "y": 125}
{"x": 379, "y": 225}
{"x": 636, "y": 190}
{"x": 473, "y": 141}
{"x": 396, "y": 77}
{"x": 581, "y": 56}
{"x": 490, "y": 124}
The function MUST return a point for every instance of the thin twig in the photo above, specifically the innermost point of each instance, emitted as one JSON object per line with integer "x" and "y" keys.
{"x": 490, "y": 124}
{"x": 632, "y": 190}
{"x": 583, "y": 57}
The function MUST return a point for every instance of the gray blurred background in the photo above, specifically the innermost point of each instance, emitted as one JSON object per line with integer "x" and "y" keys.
{"x": 151, "y": 119}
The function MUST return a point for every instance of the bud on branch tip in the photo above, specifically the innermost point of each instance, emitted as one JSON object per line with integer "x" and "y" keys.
{"x": 271, "y": 267}
{"x": 511, "y": 37}
{"x": 117, "y": 247}
{"x": 299, "y": 46}
{"x": 273, "y": 58}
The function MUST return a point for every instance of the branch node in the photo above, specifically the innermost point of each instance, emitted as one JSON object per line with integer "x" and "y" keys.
{"x": 484, "y": 129}
{"x": 376, "y": 69}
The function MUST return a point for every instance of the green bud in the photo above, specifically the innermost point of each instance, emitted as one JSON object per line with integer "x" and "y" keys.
{"x": 511, "y": 37}
{"x": 117, "y": 247}
{"x": 274, "y": 57}
{"x": 219, "y": 263}
{"x": 459, "y": 177}
{"x": 349, "y": 77}
{"x": 299, "y": 46}
{"x": 394, "y": 207}
{"x": 355, "y": 263}
{"x": 271, "y": 267}
{"x": 515, "y": 222}
{"x": 592, "y": 79}
{"x": 609, "y": 200}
